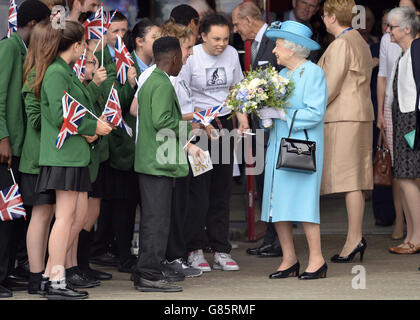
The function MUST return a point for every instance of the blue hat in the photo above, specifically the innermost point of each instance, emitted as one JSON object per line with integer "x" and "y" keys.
{"x": 292, "y": 31}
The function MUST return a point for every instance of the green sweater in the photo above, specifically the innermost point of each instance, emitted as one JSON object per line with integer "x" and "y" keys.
{"x": 75, "y": 151}
{"x": 159, "y": 151}
{"x": 12, "y": 115}
{"x": 121, "y": 145}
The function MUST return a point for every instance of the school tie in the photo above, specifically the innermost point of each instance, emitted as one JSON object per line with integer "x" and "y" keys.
{"x": 254, "y": 50}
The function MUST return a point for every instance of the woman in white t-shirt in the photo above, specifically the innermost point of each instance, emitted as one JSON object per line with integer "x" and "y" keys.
{"x": 210, "y": 73}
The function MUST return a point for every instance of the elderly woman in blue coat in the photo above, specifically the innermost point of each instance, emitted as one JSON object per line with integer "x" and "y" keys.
{"x": 293, "y": 196}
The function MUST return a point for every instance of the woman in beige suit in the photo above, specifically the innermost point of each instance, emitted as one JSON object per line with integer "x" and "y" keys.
{"x": 347, "y": 64}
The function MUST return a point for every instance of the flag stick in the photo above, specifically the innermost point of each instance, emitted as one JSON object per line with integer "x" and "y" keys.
{"x": 81, "y": 64}
{"x": 86, "y": 109}
{"x": 102, "y": 30}
{"x": 13, "y": 177}
{"x": 97, "y": 45}
{"x": 189, "y": 141}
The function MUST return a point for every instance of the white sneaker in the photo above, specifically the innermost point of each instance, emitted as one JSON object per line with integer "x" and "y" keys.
{"x": 196, "y": 260}
{"x": 223, "y": 261}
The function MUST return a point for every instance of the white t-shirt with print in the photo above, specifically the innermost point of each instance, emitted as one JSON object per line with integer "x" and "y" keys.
{"x": 210, "y": 77}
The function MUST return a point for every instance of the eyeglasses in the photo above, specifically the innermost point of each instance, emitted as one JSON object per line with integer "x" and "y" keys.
{"x": 92, "y": 62}
{"x": 391, "y": 27}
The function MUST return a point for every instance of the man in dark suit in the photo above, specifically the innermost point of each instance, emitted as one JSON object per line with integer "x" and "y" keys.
{"x": 248, "y": 22}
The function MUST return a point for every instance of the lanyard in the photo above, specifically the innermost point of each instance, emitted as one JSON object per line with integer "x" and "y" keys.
{"x": 348, "y": 29}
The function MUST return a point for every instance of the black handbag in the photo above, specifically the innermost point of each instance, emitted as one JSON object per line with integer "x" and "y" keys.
{"x": 297, "y": 155}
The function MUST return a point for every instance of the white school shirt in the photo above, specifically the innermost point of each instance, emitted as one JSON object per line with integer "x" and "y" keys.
{"x": 211, "y": 77}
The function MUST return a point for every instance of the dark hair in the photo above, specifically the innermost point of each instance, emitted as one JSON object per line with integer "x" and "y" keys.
{"x": 31, "y": 10}
{"x": 118, "y": 17}
{"x": 216, "y": 19}
{"x": 72, "y": 33}
{"x": 163, "y": 46}
{"x": 183, "y": 14}
{"x": 140, "y": 30}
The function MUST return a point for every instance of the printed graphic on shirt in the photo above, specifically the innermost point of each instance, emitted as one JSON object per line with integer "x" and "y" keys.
{"x": 215, "y": 77}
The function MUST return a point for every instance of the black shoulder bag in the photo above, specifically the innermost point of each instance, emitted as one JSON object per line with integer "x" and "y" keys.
{"x": 297, "y": 155}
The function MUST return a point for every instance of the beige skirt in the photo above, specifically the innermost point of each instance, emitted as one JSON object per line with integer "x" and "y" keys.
{"x": 347, "y": 157}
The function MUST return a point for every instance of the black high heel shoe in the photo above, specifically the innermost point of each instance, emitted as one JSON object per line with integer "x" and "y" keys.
{"x": 293, "y": 271}
{"x": 321, "y": 273}
{"x": 361, "y": 247}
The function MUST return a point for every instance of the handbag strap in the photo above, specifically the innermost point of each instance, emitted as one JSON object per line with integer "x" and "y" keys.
{"x": 382, "y": 140}
{"x": 291, "y": 126}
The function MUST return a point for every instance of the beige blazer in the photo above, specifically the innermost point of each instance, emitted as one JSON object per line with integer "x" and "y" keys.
{"x": 347, "y": 64}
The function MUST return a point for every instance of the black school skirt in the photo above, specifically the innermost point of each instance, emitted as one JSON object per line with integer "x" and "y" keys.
{"x": 63, "y": 178}
{"x": 30, "y": 196}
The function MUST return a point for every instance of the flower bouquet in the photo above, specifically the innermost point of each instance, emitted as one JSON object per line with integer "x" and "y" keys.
{"x": 260, "y": 89}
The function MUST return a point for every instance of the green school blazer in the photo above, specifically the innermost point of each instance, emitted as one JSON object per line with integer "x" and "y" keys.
{"x": 121, "y": 145}
{"x": 29, "y": 160}
{"x": 12, "y": 114}
{"x": 159, "y": 110}
{"x": 75, "y": 151}
{"x": 99, "y": 148}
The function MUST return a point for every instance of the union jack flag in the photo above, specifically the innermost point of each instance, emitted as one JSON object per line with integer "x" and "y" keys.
{"x": 11, "y": 204}
{"x": 122, "y": 59}
{"x": 12, "y": 18}
{"x": 79, "y": 67}
{"x": 206, "y": 116}
{"x": 113, "y": 112}
{"x": 94, "y": 26}
{"x": 73, "y": 113}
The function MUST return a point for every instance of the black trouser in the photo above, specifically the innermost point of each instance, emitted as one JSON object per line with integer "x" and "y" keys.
{"x": 210, "y": 200}
{"x": 155, "y": 219}
{"x": 118, "y": 214}
{"x": 9, "y": 229}
{"x": 180, "y": 198}
{"x": 104, "y": 238}
{"x": 123, "y": 220}
{"x": 270, "y": 236}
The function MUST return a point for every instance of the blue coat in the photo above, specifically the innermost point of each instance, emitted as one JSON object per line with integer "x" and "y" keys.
{"x": 290, "y": 195}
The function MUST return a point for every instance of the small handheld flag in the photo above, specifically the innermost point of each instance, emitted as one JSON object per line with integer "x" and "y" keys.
{"x": 79, "y": 67}
{"x": 94, "y": 26}
{"x": 206, "y": 116}
{"x": 12, "y": 18}
{"x": 73, "y": 113}
{"x": 122, "y": 59}
{"x": 11, "y": 203}
{"x": 113, "y": 112}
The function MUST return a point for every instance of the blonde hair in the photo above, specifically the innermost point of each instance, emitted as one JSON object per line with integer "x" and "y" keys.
{"x": 172, "y": 29}
{"x": 342, "y": 10}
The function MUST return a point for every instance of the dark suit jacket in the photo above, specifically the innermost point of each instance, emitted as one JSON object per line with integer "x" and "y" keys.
{"x": 415, "y": 56}
{"x": 265, "y": 55}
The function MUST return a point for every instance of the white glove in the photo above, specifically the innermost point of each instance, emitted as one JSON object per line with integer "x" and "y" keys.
{"x": 270, "y": 113}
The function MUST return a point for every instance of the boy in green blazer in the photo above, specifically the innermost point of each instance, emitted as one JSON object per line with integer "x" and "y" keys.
{"x": 159, "y": 110}
{"x": 12, "y": 124}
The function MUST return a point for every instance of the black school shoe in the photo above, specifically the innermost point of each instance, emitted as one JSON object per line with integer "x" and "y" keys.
{"x": 145, "y": 285}
{"x": 34, "y": 283}
{"x": 5, "y": 293}
{"x": 96, "y": 274}
{"x": 67, "y": 293}
{"x": 14, "y": 286}
{"x": 77, "y": 279}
